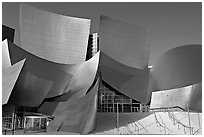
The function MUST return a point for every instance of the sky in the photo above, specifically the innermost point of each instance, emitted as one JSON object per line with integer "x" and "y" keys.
{"x": 168, "y": 24}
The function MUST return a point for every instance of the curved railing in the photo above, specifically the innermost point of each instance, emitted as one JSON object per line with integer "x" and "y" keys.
{"x": 173, "y": 118}
{"x": 164, "y": 124}
{"x": 136, "y": 127}
{"x": 161, "y": 125}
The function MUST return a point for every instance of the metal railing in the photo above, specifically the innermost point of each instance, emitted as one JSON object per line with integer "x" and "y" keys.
{"x": 166, "y": 108}
{"x": 137, "y": 129}
{"x": 176, "y": 121}
{"x": 161, "y": 125}
{"x": 142, "y": 126}
{"x": 196, "y": 132}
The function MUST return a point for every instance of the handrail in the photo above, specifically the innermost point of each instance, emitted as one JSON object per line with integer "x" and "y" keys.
{"x": 163, "y": 123}
{"x": 142, "y": 126}
{"x": 167, "y": 108}
{"x": 196, "y": 132}
{"x": 178, "y": 122}
{"x": 163, "y": 126}
{"x": 138, "y": 129}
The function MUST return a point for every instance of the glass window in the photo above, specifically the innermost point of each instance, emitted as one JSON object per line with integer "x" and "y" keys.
{"x": 28, "y": 123}
{"x": 127, "y": 107}
{"x": 43, "y": 123}
{"x": 108, "y": 99}
{"x": 36, "y": 124}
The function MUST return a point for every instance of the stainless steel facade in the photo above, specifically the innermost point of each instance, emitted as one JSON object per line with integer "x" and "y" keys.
{"x": 54, "y": 37}
{"x": 55, "y": 79}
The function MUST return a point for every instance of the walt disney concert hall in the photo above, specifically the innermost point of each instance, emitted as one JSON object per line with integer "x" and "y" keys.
{"x": 61, "y": 79}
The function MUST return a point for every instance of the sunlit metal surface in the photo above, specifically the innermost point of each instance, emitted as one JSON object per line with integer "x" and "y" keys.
{"x": 9, "y": 78}
{"x": 171, "y": 98}
{"x": 57, "y": 38}
{"x": 64, "y": 78}
{"x": 124, "y": 42}
{"x": 195, "y": 99}
{"x": 6, "y": 62}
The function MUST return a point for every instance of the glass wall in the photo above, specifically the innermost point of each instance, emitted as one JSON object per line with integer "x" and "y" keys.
{"x": 110, "y": 99}
{"x": 35, "y": 124}
{"x": 7, "y": 120}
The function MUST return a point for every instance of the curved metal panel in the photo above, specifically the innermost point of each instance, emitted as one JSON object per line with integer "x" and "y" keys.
{"x": 130, "y": 81}
{"x": 54, "y": 37}
{"x": 9, "y": 78}
{"x": 76, "y": 115}
{"x": 82, "y": 79}
{"x": 46, "y": 70}
{"x": 178, "y": 67}
{"x": 124, "y": 42}
{"x": 59, "y": 74}
{"x": 84, "y": 75}
{"x": 47, "y": 108}
{"x": 90, "y": 124}
{"x": 195, "y": 100}
{"x": 171, "y": 98}
{"x": 5, "y": 55}
{"x": 30, "y": 90}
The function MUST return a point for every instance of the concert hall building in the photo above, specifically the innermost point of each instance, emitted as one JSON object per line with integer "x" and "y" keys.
{"x": 62, "y": 78}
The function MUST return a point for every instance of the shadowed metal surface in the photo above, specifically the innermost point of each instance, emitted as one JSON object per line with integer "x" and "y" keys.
{"x": 6, "y": 62}
{"x": 76, "y": 115}
{"x": 30, "y": 90}
{"x": 195, "y": 100}
{"x": 40, "y": 68}
{"x": 83, "y": 77}
{"x": 130, "y": 81}
{"x": 7, "y": 33}
{"x": 9, "y": 78}
{"x": 54, "y": 37}
{"x": 65, "y": 78}
{"x": 171, "y": 98}
{"x": 178, "y": 67}
{"x": 124, "y": 42}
